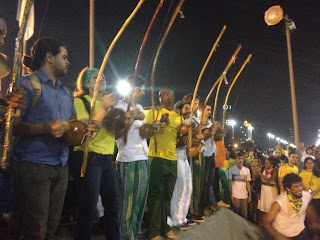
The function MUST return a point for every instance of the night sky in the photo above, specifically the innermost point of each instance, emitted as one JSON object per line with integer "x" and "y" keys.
{"x": 261, "y": 94}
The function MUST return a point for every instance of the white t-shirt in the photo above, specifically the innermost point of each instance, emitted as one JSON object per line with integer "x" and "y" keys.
{"x": 136, "y": 147}
{"x": 239, "y": 181}
{"x": 305, "y": 155}
{"x": 288, "y": 222}
{"x": 210, "y": 145}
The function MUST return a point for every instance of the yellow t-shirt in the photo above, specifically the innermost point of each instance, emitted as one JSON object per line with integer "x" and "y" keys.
{"x": 104, "y": 141}
{"x": 309, "y": 181}
{"x": 286, "y": 169}
{"x": 166, "y": 137}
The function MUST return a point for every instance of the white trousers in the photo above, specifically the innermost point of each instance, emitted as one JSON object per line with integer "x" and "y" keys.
{"x": 181, "y": 197}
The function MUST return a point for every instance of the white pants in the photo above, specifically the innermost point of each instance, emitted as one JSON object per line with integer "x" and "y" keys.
{"x": 180, "y": 201}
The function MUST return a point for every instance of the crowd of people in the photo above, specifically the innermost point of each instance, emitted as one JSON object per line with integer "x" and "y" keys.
{"x": 140, "y": 163}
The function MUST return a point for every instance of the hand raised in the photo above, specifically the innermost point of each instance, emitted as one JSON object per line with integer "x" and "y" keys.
{"x": 109, "y": 100}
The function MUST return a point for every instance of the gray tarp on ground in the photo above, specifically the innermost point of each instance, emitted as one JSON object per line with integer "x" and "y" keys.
{"x": 225, "y": 225}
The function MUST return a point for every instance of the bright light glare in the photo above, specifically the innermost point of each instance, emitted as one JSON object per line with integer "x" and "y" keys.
{"x": 292, "y": 145}
{"x": 123, "y": 87}
{"x": 235, "y": 145}
{"x": 278, "y": 139}
{"x": 232, "y": 123}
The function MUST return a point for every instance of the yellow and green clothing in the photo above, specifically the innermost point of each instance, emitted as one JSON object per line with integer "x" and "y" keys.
{"x": 104, "y": 141}
{"x": 167, "y": 136}
{"x": 310, "y": 181}
{"x": 286, "y": 169}
{"x": 163, "y": 171}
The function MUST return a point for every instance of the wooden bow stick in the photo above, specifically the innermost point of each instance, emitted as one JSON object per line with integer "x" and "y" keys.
{"x": 95, "y": 92}
{"x": 156, "y": 57}
{"x": 223, "y": 74}
{"x": 230, "y": 88}
{"x": 198, "y": 83}
{"x": 155, "y": 61}
{"x": 137, "y": 67}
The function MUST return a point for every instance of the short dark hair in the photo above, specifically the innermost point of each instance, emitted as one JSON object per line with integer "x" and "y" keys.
{"x": 180, "y": 104}
{"x": 292, "y": 153}
{"x": 239, "y": 154}
{"x": 167, "y": 89}
{"x": 290, "y": 179}
{"x": 202, "y": 107}
{"x": 273, "y": 161}
{"x": 39, "y": 50}
{"x": 309, "y": 148}
{"x": 284, "y": 157}
{"x": 189, "y": 97}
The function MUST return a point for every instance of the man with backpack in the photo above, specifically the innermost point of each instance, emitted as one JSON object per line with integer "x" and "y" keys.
{"x": 40, "y": 154}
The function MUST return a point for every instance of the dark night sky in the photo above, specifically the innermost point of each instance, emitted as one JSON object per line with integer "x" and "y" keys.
{"x": 261, "y": 94}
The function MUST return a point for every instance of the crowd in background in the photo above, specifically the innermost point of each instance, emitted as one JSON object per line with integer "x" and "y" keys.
{"x": 140, "y": 163}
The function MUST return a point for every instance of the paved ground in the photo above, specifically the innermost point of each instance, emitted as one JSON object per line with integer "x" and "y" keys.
{"x": 223, "y": 225}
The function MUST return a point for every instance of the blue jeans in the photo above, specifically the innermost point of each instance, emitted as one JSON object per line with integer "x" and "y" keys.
{"x": 100, "y": 178}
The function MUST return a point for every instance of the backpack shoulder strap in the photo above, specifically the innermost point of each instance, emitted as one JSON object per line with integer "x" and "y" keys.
{"x": 36, "y": 84}
{"x": 86, "y": 103}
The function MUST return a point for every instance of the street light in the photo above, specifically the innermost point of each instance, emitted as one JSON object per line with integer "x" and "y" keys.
{"x": 232, "y": 123}
{"x": 269, "y": 136}
{"x": 250, "y": 128}
{"x": 272, "y": 17}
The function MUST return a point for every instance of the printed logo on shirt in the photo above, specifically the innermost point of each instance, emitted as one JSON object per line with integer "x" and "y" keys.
{"x": 239, "y": 178}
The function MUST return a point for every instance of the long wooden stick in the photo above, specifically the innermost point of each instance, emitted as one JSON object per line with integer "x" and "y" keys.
{"x": 137, "y": 67}
{"x": 230, "y": 88}
{"x": 131, "y": 102}
{"x": 198, "y": 83}
{"x": 155, "y": 61}
{"x": 91, "y": 34}
{"x": 231, "y": 61}
{"x": 95, "y": 92}
{"x": 216, "y": 100}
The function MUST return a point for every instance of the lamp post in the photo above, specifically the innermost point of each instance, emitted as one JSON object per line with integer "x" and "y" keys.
{"x": 91, "y": 34}
{"x": 232, "y": 123}
{"x": 272, "y": 17}
{"x": 250, "y": 137}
